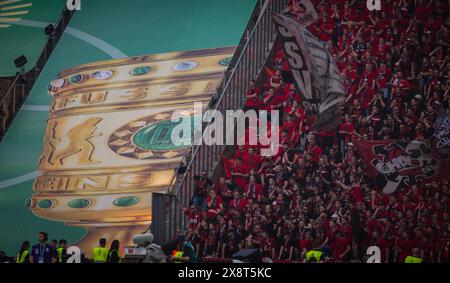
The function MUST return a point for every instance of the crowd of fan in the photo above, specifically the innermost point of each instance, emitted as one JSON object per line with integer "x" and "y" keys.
{"x": 315, "y": 193}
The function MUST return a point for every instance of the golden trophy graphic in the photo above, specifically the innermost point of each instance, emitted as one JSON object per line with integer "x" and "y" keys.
{"x": 107, "y": 144}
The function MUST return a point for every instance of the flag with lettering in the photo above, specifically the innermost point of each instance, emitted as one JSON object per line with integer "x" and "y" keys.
{"x": 397, "y": 164}
{"x": 314, "y": 72}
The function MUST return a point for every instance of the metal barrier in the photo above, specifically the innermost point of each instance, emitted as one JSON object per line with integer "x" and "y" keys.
{"x": 248, "y": 61}
{"x": 23, "y": 83}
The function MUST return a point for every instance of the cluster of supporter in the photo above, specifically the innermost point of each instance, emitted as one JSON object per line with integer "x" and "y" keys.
{"x": 314, "y": 198}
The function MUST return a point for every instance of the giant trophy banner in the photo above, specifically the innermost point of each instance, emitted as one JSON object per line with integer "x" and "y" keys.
{"x": 107, "y": 144}
{"x": 315, "y": 73}
{"x": 396, "y": 164}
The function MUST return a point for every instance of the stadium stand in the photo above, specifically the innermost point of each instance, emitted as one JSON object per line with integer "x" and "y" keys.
{"x": 315, "y": 194}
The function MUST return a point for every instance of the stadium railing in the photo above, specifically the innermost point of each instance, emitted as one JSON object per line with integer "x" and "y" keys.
{"x": 23, "y": 82}
{"x": 168, "y": 218}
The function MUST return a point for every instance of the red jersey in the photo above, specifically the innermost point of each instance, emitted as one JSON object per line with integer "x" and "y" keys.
{"x": 238, "y": 204}
{"x": 242, "y": 169}
{"x": 194, "y": 218}
{"x": 253, "y": 190}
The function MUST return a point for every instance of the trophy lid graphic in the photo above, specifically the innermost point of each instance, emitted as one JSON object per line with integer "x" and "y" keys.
{"x": 107, "y": 143}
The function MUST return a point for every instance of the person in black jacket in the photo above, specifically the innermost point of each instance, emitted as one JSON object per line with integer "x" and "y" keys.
{"x": 61, "y": 251}
{"x": 113, "y": 254}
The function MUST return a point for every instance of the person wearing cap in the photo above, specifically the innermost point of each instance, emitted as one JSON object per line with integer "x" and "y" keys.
{"x": 188, "y": 254}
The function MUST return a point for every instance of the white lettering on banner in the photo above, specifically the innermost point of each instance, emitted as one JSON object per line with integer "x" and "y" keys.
{"x": 213, "y": 133}
{"x": 219, "y": 126}
{"x": 241, "y": 117}
{"x": 264, "y": 138}
{"x": 374, "y": 5}
{"x": 403, "y": 162}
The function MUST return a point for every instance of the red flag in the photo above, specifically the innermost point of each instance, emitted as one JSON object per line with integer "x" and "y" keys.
{"x": 399, "y": 163}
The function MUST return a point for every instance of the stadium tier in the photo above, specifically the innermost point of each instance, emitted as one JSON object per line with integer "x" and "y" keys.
{"x": 283, "y": 131}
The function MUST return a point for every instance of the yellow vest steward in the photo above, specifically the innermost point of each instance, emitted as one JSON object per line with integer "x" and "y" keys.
{"x": 314, "y": 254}
{"x": 21, "y": 257}
{"x": 60, "y": 250}
{"x": 413, "y": 259}
{"x": 100, "y": 254}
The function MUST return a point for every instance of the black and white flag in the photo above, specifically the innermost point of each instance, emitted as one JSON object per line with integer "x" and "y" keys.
{"x": 314, "y": 71}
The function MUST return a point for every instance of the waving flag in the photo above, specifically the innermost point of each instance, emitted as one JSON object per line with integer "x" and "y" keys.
{"x": 396, "y": 164}
{"x": 315, "y": 73}
{"x": 306, "y": 15}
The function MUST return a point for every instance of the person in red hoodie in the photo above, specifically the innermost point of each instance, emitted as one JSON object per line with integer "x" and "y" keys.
{"x": 268, "y": 100}
{"x": 384, "y": 245}
{"x": 240, "y": 173}
{"x": 194, "y": 216}
{"x": 347, "y": 129}
{"x": 313, "y": 149}
{"x": 214, "y": 205}
{"x": 252, "y": 96}
{"x": 383, "y": 79}
{"x": 369, "y": 75}
{"x": 354, "y": 189}
{"x": 252, "y": 160}
{"x": 402, "y": 248}
{"x": 227, "y": 166}
{"x": 306, "y": 244}
{"x": 422, "y": 10}
{"x": 327, "y": 28}
{"x": 253, "y": 190}
{"x": 341, "y": 248}
{"x": 267, "y": 246}
{"x": 237, "y": 203}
